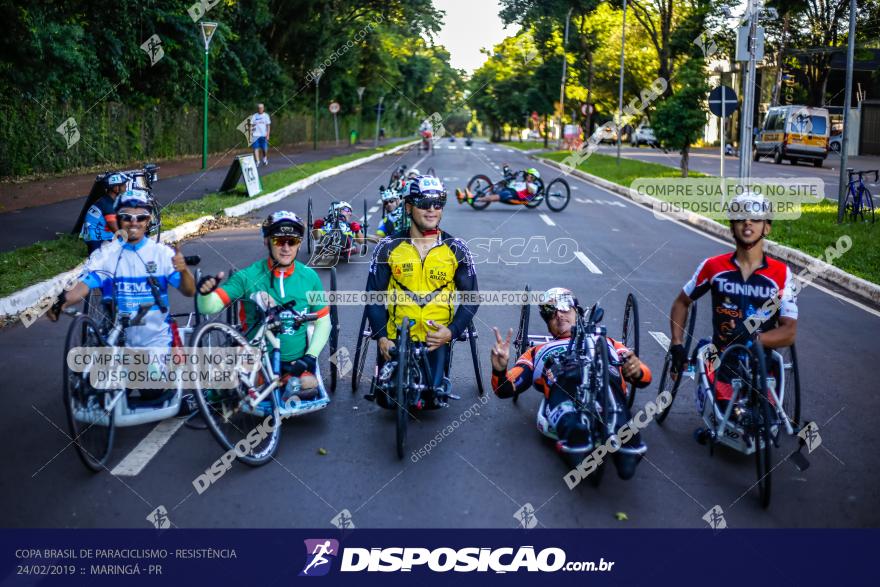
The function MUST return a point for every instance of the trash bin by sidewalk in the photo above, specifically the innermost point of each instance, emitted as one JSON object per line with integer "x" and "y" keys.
{"x": 353, "y": 138}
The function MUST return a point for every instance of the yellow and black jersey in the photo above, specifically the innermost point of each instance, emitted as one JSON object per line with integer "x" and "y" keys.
{"x": 421, "y": 289}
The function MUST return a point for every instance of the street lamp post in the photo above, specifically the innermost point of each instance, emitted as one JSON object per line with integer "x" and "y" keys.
{"x": 318, "y": 73}
{"x": 360, "y": 92}
{"x": 208, "y": 30}
{"x": 847, "y": 103}
{"x": 620, "y": 86}
{"x": 562, "y": 84}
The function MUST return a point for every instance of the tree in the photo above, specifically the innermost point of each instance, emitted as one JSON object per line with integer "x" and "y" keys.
{"x": 679, "y": 119}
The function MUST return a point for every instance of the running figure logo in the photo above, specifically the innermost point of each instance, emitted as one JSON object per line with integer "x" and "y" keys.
{"x": 317, "y": 552}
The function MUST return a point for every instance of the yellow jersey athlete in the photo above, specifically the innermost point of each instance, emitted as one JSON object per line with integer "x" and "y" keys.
{"x": 421, "y": 268}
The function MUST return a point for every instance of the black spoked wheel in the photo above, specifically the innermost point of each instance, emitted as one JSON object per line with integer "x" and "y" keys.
{"x": 90, "y": 412}
{"x": 334, "y": 335}
{"x": 475, "y": 355}
{"x": 521, "y": 343}
{"x": 630, "y": 336}
{"x": 228, "y": 415}
{"x": 599, "y": 378}
{"x": 94, "y": 307}
{"x": 558, "y": 195}
{"x": 670, "y": 382}
{"x": 401, "y": 384}
{"x": 867, "y": 205}
{"x": 761, "y": 421}
{"x": 360, "y": 353}
{"x": 540, "y": 195}
{"x": 309, "y": 224}
{"x": 791, "y": 398}
{"x": 479, "y": 185}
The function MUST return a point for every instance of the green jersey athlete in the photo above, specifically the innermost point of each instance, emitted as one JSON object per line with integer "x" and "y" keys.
{"x": 285, "y": 279}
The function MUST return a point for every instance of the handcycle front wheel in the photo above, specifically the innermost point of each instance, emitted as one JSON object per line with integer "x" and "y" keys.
{"x": 309, "y": 228}
{"x": 401, "y": 384}
{"x": 600, "y": 376}
{"x": 360, "y": 353}
{"x": 92, "y": 426}
{"x": 558, "y": 194}
{"x": 479, "y": 185}
{"x": 521, "y": 343}
{"x": 225, "y": 411}
{"x": 334, "y": 335}
{"x": 630, "y": 336}
{"x": 667, "y": 383}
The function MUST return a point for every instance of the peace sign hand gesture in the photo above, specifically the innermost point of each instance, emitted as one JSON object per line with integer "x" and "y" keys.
{"x": 500, "y": 352}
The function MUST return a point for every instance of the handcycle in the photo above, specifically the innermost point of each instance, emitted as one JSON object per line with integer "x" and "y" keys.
{"x": 93, "y": 414}
{"x": 408, "y": 383}
{"x": 859, "y": 204}
{"x": 594, "y": 401}
{"x": 397, "y": 178}
{"x": 764, "y": 402}
{"x": 337, "y": 242}
{"x": 557, "y": 194}
{"x": 427, "y": 142}
{"x": 251, "y": 411}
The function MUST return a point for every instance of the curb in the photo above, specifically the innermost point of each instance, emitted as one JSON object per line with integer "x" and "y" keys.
{"x": 849, "y": 282}
{"x": 34, "y": 295}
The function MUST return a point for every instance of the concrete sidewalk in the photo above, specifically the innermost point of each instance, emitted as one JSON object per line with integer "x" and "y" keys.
{"x": 27, "y": 225}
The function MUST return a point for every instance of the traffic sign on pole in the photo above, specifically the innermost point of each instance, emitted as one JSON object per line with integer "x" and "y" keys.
{"x": 726, "y": 95}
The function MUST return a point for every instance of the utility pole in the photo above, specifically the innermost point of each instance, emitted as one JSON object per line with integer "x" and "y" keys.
{"x": 748, "y": 112}
{"x": 620, "y": 87}
{"x": 562, "y": 85}
{"x": 847, "y": 104}
{"x": 318, "y": 73}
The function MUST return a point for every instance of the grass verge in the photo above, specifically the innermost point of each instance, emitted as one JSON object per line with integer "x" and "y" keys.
{"x": 43, "y": 260}
{"x": 815, "y": 230}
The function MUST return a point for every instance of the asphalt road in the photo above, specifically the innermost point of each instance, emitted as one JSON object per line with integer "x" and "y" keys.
{"x": 494, "y": 461}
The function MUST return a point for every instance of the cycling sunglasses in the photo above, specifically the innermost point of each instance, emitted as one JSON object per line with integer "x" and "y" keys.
{"x": 126, "y": 217}
{"x": 280, "y": 241}
{"x": 428, "y": 203}
{"x": 346, "y": 209}
{"x": 547, "y": 311}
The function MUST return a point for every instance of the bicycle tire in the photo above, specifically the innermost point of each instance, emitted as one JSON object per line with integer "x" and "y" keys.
{"x": 222, "y": 403}
{"x": 360, "y": 354}
{"x": 475, "y": 356}
{"x": 539, "y": 196}
{"x": 791, "y": 400}
{"x": 93, "y": 441}
{"x": 762, "y": 418}
{"x": 667, "y": 383}
{"x": 521, "y": 343}
{"x": 334, "y": 335}
{"x": 867, "y": 203}
{"x": 309, "y": 227}
{"x": 558, "y": 203}
{"x": 630, "y": 336}
{"x": 478, "y": 190}
{"x": 400, "y": 391}
{"x": 599, "y": 388}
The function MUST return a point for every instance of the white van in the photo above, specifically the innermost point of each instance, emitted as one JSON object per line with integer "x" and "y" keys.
{"x": 796, "y": 133}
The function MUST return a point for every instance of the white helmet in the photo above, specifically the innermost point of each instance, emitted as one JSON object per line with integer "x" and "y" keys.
{"x": 338, "y": 206}
{"x": 749, "y": 205}
{"x": 413, "y": 173}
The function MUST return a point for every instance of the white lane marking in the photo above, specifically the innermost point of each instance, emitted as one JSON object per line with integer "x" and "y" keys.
{"x": 452, "y": 147}
{"x": 587, "y": 263}
{"x": 481, "y": 148}
{"x": 574, "y": 187}
{"x": 467, "y": 148}
{"x": 661, "y": 339}
{"x": 696, "y": 230}
{"x": 450, "y": 178}
{"x": 547, "y": 220}
{"x": 583, "y": 200}
{"x": 373, "y": 210}
{"x": 135, "y": 461}
{"x": 496, "y": 150}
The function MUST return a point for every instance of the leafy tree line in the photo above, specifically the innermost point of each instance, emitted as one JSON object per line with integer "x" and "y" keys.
{"x": 78, "y": 57}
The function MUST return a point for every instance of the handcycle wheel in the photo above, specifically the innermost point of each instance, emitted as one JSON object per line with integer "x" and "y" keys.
{"x": 475, "y": 355}
{"x": 630, "y": 336}
{"x": 93, "y": 306}
{"x": 309, "y": 227}
{"x": 521, "y": 343}
{"x": 600, "y": 375}
{"x": 400, "y": 388}
{"x": 539, "y": 196}
{"x": 334, "y": 335}
{"x": 667, "y": 383}
{"x": 360, "y": 353}
{"x": 791, "y": 399}
{"x": 558, "y": 194}
{"x": 92, "y": 427}
{"x": 365, "y": 229}
{"x": 478, "y": 186}
{"x": 222, "y": 409}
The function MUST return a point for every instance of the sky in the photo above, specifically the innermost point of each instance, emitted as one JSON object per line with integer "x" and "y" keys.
{"x": 468, "y": 26}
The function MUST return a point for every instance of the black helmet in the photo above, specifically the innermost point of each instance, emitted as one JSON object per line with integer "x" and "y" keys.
{"x": 283, "y": 223}
{"x": 425, "y": 186}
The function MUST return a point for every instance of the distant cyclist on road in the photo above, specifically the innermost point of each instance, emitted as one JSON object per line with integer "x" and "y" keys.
{"x": 343, "y": 211}
{"x": 286, "y": 280}
{"x": 423, "y": 267}
{"x": 519, "y": 189}
{"x": 100, "y": 223}
{"x": 394, "y": 217}
{"x": 748, "y": 288}
{"x": 559, "y": 386}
